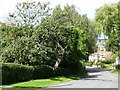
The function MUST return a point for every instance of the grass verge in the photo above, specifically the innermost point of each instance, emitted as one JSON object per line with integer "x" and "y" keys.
{"x": 116, "y": 71}
{"x": 109, "y": 67}
{"x": 42, "y": 83}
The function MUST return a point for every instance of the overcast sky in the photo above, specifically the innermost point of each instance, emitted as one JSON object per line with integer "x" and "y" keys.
{"x": 83, "y": 6}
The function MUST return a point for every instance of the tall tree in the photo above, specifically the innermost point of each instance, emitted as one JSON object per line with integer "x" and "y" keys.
{"x": 107, "y": 20}
{"x": 29, "y": 13}
{"x": 17, "y": 40}
{"x": 68, "y": 16}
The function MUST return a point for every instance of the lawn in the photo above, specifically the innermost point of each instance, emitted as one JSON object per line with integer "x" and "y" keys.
{"x": 41, "y": 83}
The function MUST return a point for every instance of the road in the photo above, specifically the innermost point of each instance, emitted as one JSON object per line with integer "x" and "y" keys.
{"x": 97, "y": 78}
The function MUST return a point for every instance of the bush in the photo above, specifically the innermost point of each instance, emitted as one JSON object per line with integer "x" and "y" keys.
{"x": 43, "y": 71}
{"x": 75, "y": 68}
{"x": 12, "y": 73}
{"x": 110, "y": 61}
{"x": 103, "y": 66}
{"x": 61, "y": 72}
{"x": 107, "y": 61}
{"x": 117, "y": 67}
{"x": 114, "y": 57}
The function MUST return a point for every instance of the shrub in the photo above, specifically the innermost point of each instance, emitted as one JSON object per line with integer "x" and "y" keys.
{"x": 12, "y": 73}
{"x": 75, "y": 68}
{"x": 117, "y": 67}
{"x": 103, "y": 66}
{"x": 43, "y": 71}
{"x": 107, "y": 61}
{"x": 61, "y": 71}
{"x": 114, "y": 57}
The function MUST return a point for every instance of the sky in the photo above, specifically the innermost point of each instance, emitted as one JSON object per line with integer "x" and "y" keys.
{"x": 83, "y": 6}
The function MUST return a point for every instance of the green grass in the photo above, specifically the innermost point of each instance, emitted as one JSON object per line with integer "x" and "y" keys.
{"x": 88, "y": 63}
{"x": 109, "y": 67}
{"x": 116, "y": 71}
{"x": 0, "y": 87}
{"x": 41, "y": 83}
{"x": 18, "y": 88}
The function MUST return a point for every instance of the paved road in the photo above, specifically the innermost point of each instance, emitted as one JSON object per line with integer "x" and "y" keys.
{"x": 98, "y": 78}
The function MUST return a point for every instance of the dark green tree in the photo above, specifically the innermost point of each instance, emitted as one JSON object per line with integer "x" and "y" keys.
{"x": 68, "y": 16}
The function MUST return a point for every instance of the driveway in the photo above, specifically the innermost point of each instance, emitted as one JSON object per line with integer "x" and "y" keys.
{"x": 97, "y": 78}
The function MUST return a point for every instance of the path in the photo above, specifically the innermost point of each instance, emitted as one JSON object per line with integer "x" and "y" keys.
{"x": 98, "y": 78}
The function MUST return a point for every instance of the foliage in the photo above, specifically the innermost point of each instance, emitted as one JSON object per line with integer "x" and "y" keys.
{"x": 41, "y": 48}
{"x": 12, "y": 73}
{"x": 112, "y": 43}
{"x": 107, "y": 20}
{"x": 107, "y": 61}
{"x": 75, "y": 68}
{"x": 103, "y": 66}
{"x": 110, "y": 68}
{"x": 29, "y": 13}
{"x": 107, "y": 66}
{"x": 64, "y": 36}
{"x": 68, "y": 16}
{"x": 15, "y": 45}
{"x": 116, "y": 71}
{"x": 89, "y": 44}
{"x": 43, "y": 71}
{"x": 59, "y": 42}
{"x": 88, "y": 63}
{"x": 117, "y": 67}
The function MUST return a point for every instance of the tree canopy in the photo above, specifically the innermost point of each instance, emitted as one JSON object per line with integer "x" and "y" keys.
{"x": 29, "y": 13}
{"x": 107, "y": 20}
{"x": 35, "y": 37}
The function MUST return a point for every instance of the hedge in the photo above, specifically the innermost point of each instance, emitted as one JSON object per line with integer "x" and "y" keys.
{"x": 107, "y": 61}
{"x": 43, "y": 71}
{"x": 13, "y": 73}
{"x": 75, "y": 68}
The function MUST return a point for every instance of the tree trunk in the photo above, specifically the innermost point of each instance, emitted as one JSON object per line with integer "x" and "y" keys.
{"x": 57, "y": 62}
{"x": 59, "y": 57}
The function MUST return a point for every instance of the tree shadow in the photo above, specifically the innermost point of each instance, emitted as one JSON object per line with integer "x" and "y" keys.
{"x": 56, "y": 79}
{"x": 74, "y": 77}
{"x": 95, "y": 69}
{"x": 97, "y": 79}
{"x": 93, "y": 76}
{"x": 69, "y": 77}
